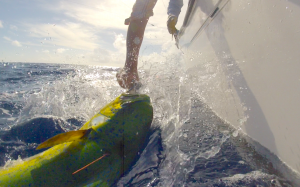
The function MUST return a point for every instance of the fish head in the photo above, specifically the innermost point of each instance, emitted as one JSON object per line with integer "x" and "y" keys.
{"x": 122, "y": 126}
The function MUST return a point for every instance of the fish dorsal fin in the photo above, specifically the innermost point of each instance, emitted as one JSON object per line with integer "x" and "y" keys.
{"x": 64, "y": 137}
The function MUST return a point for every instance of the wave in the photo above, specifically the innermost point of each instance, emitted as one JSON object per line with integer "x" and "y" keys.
{"x": 22, "y": 139}
{"x": 192, "y": 146}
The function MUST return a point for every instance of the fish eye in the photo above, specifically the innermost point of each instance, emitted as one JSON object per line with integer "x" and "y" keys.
{"x": 98, "y": 120}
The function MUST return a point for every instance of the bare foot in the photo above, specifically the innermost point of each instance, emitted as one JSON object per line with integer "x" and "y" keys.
{"x": 127, "y": 78}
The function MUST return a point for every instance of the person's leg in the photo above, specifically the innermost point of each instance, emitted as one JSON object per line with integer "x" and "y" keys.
{"x": 135, "y": 34}
{"x": 141, "y": 12}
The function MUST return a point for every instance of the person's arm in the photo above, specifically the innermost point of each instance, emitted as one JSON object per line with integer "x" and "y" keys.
{"x": 142, "y": 10}
{"x": 174, "y": 10}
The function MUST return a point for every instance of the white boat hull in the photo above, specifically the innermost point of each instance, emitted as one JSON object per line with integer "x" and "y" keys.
{"x": 243, "y": 59}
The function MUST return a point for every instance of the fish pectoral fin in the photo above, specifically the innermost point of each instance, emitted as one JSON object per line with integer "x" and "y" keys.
{"x": 64, "y": 137}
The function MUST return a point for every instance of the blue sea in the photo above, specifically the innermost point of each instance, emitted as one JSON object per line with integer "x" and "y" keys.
{"x": 189, "y": 145}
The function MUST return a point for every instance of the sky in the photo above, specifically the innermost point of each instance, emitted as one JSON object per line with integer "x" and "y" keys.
{"x": 88, "y": 32}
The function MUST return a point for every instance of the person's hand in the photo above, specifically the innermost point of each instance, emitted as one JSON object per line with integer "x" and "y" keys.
{"x": 127, "y": 21}
{"x": 127, "y": 78}
{"x": 172, "y": 20}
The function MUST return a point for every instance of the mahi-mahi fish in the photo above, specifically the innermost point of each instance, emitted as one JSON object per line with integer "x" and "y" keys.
{"x": 97, "y": 154}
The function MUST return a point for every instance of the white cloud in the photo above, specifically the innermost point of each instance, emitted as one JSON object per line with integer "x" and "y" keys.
{"x": 70, "y": 35}
{"x": 61, "y": 50}
{"x": 101, "y": 55}
{"x": 1, "y": 25}
{"x": 120, "y": 43}
{"x": 91, "y": 31}
{"x": 13, "y": 42}
{"x": 102, "y": 14}
{"x": 7, "y": 38}
{"x": 16, "y": 43}
{"x": 13, "y": 27}
{"x": 106, "y": 57}
{"x": 169, "y": 51}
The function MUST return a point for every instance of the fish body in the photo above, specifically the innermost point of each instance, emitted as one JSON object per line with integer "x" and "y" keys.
{"x": 116, "y": 134}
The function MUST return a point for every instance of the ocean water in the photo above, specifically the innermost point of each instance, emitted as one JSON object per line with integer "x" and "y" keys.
{"x": 188, "y": 146}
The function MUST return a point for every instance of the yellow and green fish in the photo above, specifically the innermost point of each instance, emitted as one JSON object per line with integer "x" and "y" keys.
{"x": 97, "y": 154}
